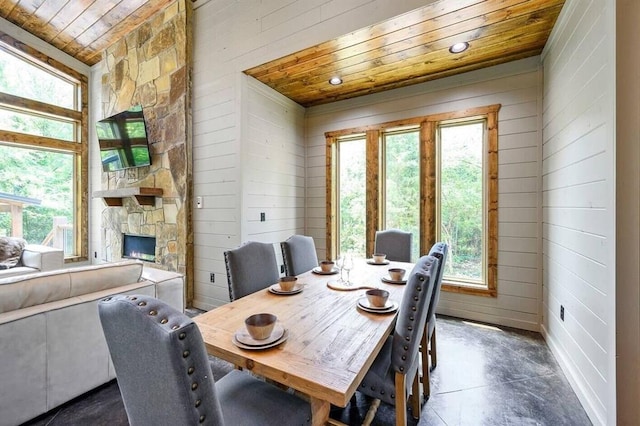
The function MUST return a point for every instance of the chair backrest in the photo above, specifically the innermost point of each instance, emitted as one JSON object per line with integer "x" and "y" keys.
{"x": 160, "y": 361}
{"x": 299, "y": 254}
{"x": 440, "y": 251}
{"x": 412, "y": 315}
{"x": 250, "y": 267}
{"x": 396, "y": 244}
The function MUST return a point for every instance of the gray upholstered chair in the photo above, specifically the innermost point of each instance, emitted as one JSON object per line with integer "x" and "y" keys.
{"x": 440, "y": 251}
{"x": 394, "y": 373}
{"x": 299, "y": 254}
{"x": 165, "y": 377}
{"x": 250, "y": 267}
{"x": 396, "y": 244}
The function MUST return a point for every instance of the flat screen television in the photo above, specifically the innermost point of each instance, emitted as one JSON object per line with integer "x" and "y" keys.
{"x": 123, "y": 140}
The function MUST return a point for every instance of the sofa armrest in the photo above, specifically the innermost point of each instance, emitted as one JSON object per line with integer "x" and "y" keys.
{"x": 169, "y": 285}
{"x": 42, "y": 257}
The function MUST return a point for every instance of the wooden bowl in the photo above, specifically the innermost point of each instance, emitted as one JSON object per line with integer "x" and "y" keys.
{"x": 261, "y": 325}
{"x": 288, "y": 283}
{"x": 377, "y": 297}
{"x": 396, "y": 274}
{"x": 327, "y": 265}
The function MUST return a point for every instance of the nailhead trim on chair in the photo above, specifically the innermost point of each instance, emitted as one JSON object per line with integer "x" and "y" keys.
{"x": 197, "y": 401}
{"x": 229, "y": 280}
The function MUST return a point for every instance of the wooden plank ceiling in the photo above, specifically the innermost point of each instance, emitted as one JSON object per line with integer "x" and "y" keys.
{"x": 413, "y": 48}
{"x": 80, "y": 28}
{"x": 408, "y": 49}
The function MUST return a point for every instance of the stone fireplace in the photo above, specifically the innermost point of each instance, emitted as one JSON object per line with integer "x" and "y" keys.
{"x": 150, "y": 67}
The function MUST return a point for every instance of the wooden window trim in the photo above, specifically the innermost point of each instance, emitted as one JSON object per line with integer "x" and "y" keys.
{"x": 428, "y": 169}
{"x": 373, "y": 182}
{"x": 79, "y": 148}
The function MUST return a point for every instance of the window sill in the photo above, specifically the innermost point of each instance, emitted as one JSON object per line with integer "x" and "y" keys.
{"x": 469, "y": 289}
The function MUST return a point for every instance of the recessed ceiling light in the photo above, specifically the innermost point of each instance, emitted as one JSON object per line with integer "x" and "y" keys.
{"x": 459, "y": 47}
{"x": 335, "y": 81}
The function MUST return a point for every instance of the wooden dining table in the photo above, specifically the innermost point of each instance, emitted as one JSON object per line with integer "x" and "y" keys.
{"x": 330, "y": 343}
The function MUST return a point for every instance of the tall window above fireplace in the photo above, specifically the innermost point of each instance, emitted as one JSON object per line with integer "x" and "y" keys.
{"x": 139, "y": 247}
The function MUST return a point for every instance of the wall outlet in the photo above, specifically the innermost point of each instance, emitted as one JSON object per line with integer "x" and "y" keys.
{"x": 262, "y": 217}
{"x": 199, "y": 202}
{"x": 212, "y": 277}
{"x": 562, "y": 312}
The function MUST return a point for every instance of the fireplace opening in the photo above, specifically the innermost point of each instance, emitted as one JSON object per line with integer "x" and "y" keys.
{"x": 139, "y": 247}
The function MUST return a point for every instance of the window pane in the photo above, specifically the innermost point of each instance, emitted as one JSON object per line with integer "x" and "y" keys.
{"x": 35, "y": 125}
{"x": 40, "y": 183}
{"x": 461, "y": 201}
{"x": 402, "y": 190}
{"x": 21, "y": 78}
{"x": 352, "y": 203}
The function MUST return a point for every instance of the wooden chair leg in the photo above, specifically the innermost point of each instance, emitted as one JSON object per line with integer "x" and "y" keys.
{"x": 371, "y": 413}
{"x": 424, "y": 353}
{"x": 426, "y": 384}
{"x": 401, "y": 400}
{"x": 415, "y": 396}
{"x": 432, "y": 349}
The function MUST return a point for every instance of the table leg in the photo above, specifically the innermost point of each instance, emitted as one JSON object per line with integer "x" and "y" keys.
{"x": 319, "y": 411}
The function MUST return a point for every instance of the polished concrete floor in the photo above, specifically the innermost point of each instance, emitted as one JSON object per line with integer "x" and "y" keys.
{"x": 486, "y": 375}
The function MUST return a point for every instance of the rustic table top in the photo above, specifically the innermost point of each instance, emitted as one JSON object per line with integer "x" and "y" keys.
{"x": 330, "y": 345}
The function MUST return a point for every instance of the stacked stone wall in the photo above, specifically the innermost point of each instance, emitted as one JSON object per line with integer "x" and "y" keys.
{"x": 150, "y": 67}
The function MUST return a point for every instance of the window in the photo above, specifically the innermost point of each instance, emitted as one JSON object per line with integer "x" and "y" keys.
{"x": 460, "y": 202}
{"x": 351, "y": 196}
{"x": 434, "y": 176}
{"x": 43, "y": 150}
{"x": 401, "y": 183}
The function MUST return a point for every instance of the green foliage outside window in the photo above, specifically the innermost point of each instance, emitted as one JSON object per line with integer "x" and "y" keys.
{"x": 352, "y": 197}
{"x": 36, "y": 173}
{"x": 42, "y": 175}
{"x": 461, "y": 199}
{"x": 461, "y": 194}
{"x": 402, "y": 192}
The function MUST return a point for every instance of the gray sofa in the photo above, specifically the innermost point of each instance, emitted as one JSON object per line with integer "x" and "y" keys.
{"x": 52, "y": 348}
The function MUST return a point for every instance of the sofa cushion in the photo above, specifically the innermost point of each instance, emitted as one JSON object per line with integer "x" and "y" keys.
{"x": 34, "y": 289}
{"x": 42, "y": 257}
{"x": 92, "y": 278}
{"x": 10, "y": 251}
{"x": 44, "y": 287}
{"x": 16, "y": 271}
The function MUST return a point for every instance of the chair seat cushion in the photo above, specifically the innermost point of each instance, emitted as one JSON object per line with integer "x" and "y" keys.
{"x": 246, "y": 400}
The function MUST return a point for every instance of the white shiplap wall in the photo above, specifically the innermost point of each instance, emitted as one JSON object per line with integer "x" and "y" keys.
{"x": 578, "y": 190}
{"x": 248, "y": 142}
{"x": 517, "y": 87}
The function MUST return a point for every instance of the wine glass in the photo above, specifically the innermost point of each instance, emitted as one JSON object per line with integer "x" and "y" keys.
{"x": 347, "y": 265}
{"x": 340, "y": 265}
